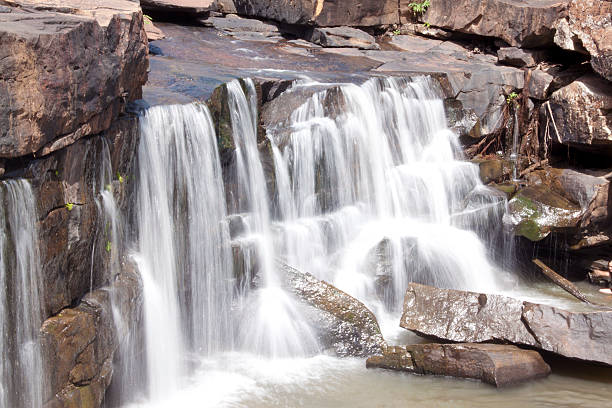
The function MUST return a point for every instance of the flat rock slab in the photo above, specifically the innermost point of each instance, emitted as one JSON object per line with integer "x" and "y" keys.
{"x": 181, "y": 6}
{"x": 343, "y": 37}
{"x": 496, "y": 364}
{"x": 461, "y": 316}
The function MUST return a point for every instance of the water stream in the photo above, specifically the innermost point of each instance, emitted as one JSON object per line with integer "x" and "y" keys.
{"x": 370, "y": 193}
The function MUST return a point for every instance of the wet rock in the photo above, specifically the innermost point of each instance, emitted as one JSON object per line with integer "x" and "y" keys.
{"x": 344, "y": 324}
{"x": 79, "y": 344}
{"x": 587, "y": 30}
{"x": 497, "y": 18}
{"x": 539, "y": 84}
{"x": 518, "y": 57}
{"x": 343, "y": 37}
{"x": 496, "y": 364}
{"x": 65, "y": 76}
{"x": 535, "y": 211}
{"x": 72, "y": 232}
{"x": 461, "y": 316}
{"x": 582, "y": 114}
{"x": 321, "y": 13}
{"x": 494, "y": 170}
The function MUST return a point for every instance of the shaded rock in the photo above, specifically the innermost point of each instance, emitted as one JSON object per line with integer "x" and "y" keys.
{"x": 79, "y": 344}
{"x": 499, "y": 365}
{"x": 535, "y": 211}
{"x": 460, "y": 316}
{"x": 343, "y": 323}
{"x": 424, "y": 30}
{"x": 179, "y": 6}
{"x": 587, "y": 30}
{"x": 322, "y": 13}
{"x": 68, "y": 236}
{"x": 582, "y": 113}
{"x": 518, "y": 57}
{"x": 66, "y": 76}
{"x": 519, "y": 23}
{"x": 539, "y": 84}
{"x": 495, "y": 169}
{"x": 343, "y": 37}
{"x": 234, "y": 24}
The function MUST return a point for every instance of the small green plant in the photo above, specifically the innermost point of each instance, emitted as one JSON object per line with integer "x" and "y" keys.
{"x": 108, "y": 246}
{"x": 56, "y": 173}
{"x": 69, "y": 206}
{"x": 396, "y": 32}
{"x": 419, "y": 8}
{"x": 108, "y": 187}
{"x": 120, "y": 178}
{"x": 147, "y": 19}
{"x": 427, "y": 24}
{"x": 512, "y": 98}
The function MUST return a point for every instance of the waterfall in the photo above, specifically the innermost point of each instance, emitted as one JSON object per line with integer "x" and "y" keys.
{"x": 272, "y": 325}
{"x": 183, "y": 243}
{"x": 21, "y": 375}
{"x": 372, "y": 194}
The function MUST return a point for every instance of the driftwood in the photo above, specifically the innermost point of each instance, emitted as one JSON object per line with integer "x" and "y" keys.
{"x": 561, "y": 281}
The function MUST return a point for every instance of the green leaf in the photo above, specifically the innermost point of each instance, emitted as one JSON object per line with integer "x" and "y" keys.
{"x": 108, "y": 246}
{"x": 69, "y": 206}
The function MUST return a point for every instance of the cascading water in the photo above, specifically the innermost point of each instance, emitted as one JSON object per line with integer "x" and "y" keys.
{"x": 21, "y": 378}
{"x": 183, "y": 243}
{"x": 372, "y": 194}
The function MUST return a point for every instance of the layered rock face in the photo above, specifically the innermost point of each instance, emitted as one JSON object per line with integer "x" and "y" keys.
{"x": 496, "y": 364}
{"x": 322, "y": 13}
{"x": 66, "y": 71}
{"x": 476, "y": 317}
{"x": 517, "y": 22}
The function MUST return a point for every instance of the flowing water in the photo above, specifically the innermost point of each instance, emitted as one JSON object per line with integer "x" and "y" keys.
{"x": 20, "y": 298}
{"x": 369, "y": 193}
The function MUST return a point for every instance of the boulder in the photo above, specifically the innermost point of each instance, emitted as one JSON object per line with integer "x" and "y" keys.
{"x": 233, "y": 23}
{"x": 342, "y": 37}
{"x": 79, "y": 344}
{"x": 536, "y": 211}
{"x": 66, "y": 71}
{"x": 581, "y": 114}
{"x": 525, "y": 24}
{"x": 496, "y": 364}
{"x": 586, "y": 29}
{"x": 179, "y": 6}
{"x": 460, "y": 316}
{"x": 539, "y": 84}
{"x": 344, "y": 323}
{"x": 322, "y": 13}
{"x": 520, "y": 58}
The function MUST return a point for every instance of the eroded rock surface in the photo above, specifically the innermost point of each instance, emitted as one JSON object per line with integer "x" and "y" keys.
{"x": 66, "y": 71}
{"x": 499, "y": 365}
{"x": 343, "y": 37}
{"x": 461, "y": 316}
{"x": 344, "y": 323}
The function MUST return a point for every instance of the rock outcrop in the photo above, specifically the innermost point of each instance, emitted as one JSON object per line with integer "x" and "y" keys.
{"x": 79, "y": 344}
{"x": 322, "y": 13}
{"x": 343, "y": 37}
{"x": 499, "y": 365}
{"x": 460, "y": 316}
{"x": 66, "y": 71}
{"x": 344, "y": 324}
{"x": 587, "y": 29}
{"x": 582, "y": 114}
{"x": 518, "y": 23}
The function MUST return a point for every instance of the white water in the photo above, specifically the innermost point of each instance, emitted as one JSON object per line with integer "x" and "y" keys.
{"x": 370, "y": 189}
{"x": 184, "y": 252}
{"x": 21, "y": 376}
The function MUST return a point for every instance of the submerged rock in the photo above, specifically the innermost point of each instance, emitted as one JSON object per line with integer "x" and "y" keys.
{"x": 461, "y": 316}
{"x": 496, "y": 364}
{"x": 344, "y": 323}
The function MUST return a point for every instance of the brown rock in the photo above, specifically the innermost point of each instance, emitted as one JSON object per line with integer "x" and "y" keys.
{"x": 518, "y": 57}
{"x": 322, "y": 13}
{"x": 496, "y": 364}
{"x": 587, "y": 29}
{"x": 179, "y": 6}
{"x": 461, "y": 316}
{"x": 517, "y": 22}
{"x": 582, "y": 113}
{"x": 65, "y": 76}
